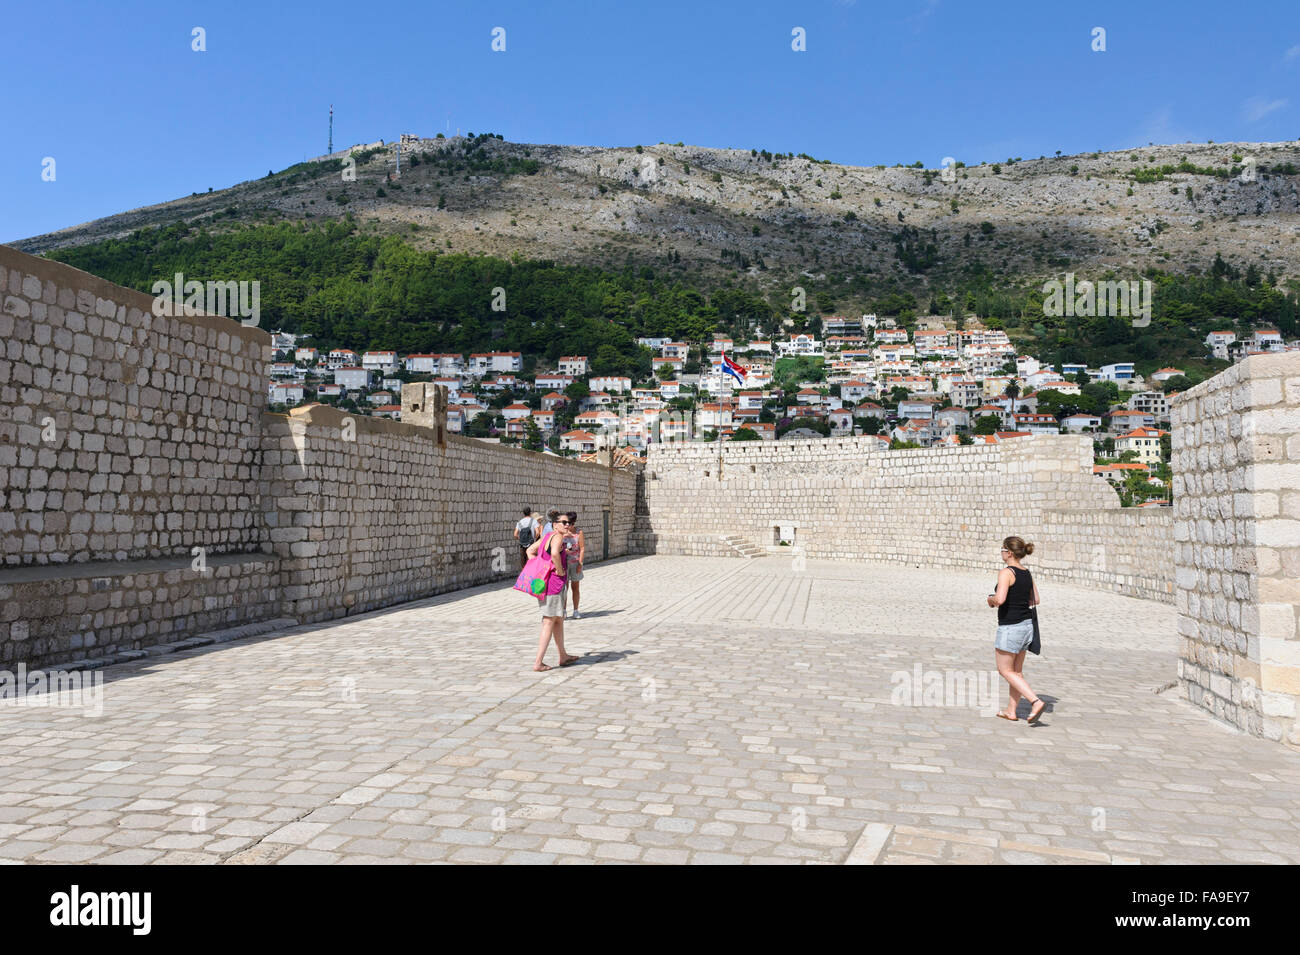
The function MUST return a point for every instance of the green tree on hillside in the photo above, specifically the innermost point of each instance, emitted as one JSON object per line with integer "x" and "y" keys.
{"x": 532, "y": 436}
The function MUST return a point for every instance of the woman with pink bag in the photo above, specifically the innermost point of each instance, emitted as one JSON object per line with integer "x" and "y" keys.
{"x": 553, "y": 604}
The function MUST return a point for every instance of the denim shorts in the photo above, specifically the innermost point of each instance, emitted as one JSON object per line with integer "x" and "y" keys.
{"x": 1014, "y": 637}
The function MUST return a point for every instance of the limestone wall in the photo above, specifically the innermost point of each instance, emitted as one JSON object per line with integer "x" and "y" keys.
{"x": 127, "y": 440}
{"x": 100, "y": 609}
{"x": 947, "y": 506}
{"x": 122, "y": 435}
{"x": 388, "y": 514}
{"x": 1236, "y": 463}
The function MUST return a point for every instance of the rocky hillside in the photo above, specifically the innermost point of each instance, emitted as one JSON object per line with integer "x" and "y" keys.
{"x": 724, "y": 212}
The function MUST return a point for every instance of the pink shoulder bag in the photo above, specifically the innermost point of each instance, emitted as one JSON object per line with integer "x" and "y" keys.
{"x": 538, "y": 578}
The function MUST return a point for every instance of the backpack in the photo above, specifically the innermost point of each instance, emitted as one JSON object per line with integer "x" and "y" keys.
{"x": 526, "y": 536}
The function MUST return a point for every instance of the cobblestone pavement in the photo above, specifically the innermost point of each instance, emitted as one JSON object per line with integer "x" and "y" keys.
{"x": 723, "y": 711}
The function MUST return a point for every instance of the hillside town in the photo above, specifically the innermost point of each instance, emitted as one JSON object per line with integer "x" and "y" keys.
{"x": 869, "y": 376}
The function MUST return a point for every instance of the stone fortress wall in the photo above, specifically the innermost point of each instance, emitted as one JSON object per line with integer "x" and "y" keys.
{"x": 847, "y": 498}
{"x": 124, "y": 435}
{"x": 149, "y": 497}
{"x": 126, "y": 441}
{"x": 1236, "y": 470}
{"x": 391, "y": 514}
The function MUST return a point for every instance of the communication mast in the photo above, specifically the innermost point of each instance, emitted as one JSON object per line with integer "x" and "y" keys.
{"x": 330, "y": 150}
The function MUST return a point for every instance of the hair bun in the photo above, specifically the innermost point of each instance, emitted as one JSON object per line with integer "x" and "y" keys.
{"x": 1029, "y": 548}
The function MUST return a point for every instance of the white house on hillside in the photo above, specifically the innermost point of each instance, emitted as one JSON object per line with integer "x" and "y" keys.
{"x": 1218, "y": 343}
{"x": 618, "y": 384}
{"x": 353, "y": 378}
{"x": 381, "y": 361}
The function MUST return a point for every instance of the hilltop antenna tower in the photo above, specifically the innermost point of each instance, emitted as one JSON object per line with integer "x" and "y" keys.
{"x": 330, "y": 150}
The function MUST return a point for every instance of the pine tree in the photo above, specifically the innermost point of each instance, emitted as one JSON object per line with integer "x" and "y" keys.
{"x": 532, "y": 436}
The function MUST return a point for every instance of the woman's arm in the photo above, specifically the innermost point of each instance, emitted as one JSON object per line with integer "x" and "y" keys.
{"x": 531, "y": 552}
{"x": 582, "y": 547}
{"x": 1005, "y": 577}
{"x": 1036, "y": 601}
{"x": 557, "y": 548}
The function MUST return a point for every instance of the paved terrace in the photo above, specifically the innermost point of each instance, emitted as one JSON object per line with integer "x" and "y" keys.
{"x": 724, "y": 711}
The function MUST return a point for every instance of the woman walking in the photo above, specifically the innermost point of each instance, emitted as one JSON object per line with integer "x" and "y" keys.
{"x": 552, "y": 544}
{"x": 576, "y": 545}
{"x": 1016, "y": 594}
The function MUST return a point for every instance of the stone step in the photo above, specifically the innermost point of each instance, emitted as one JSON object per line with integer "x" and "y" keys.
{"x": 742, "y": 546}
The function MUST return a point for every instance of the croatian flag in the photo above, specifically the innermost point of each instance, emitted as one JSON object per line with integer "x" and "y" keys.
{"x": 731, "y": 368}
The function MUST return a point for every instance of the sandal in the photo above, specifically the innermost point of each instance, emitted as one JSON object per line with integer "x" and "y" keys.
{"x": 1036, "y": 711}
{"x": 542, "y": 669}
{"x": 1013, "y": 719}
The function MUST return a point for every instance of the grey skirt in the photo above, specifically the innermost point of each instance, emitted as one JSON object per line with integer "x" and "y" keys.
{"x": 1014, "y": 637}
{"x": 554, "y": 605}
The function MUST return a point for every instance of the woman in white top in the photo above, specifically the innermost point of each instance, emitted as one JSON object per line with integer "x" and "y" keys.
{"x": 576, "y": 544}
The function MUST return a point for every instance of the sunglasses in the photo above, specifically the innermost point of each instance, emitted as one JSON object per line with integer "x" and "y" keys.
{"x": 564, "y": 522}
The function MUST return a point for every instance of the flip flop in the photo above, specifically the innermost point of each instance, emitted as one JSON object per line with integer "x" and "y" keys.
{"x": 1003, "y": 716}
{"x": 570, "y": 662}
{"x": 1036, "y": 711}
{"x": 542, "y": 669}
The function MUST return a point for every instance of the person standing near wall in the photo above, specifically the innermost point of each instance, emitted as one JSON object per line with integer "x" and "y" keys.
{"x": 1015, "y": 598}
{"x": 576, "y": 545}
{"x": 552, "y": 544}
{"x": 525, "y": 533}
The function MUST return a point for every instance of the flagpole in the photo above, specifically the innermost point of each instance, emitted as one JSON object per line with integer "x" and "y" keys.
{"x": 726, "y": 387}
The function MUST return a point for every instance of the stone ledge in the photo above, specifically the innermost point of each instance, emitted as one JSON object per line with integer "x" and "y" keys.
{"x": 189, "y": 643}
{"x": 123, "y": 568}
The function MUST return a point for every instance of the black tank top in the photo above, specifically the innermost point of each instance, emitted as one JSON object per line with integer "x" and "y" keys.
{"x": 1016, "y": 607}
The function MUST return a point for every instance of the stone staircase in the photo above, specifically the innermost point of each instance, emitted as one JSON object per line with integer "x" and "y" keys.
{"x": 641, "y": 539}
{"x": 743, "y": 546}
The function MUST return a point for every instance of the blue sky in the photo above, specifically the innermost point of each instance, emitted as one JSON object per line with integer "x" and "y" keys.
{"x": 132, "y": 115}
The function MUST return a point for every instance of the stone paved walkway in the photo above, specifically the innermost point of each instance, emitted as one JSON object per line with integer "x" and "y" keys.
{"x": 724, "y": 711}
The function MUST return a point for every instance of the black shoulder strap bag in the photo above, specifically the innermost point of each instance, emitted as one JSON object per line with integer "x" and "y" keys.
{"x": 1035, "y": 645}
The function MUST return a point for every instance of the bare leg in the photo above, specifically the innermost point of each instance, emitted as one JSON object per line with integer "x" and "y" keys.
{"x": 1036, "y": 705}
{"x": 1017, "y": 665}
{"x": 573, "y": 587}
{"x": 1008, "y": 670}
{"x": 543, "y": 641}
{"x": 565, "y": 659}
